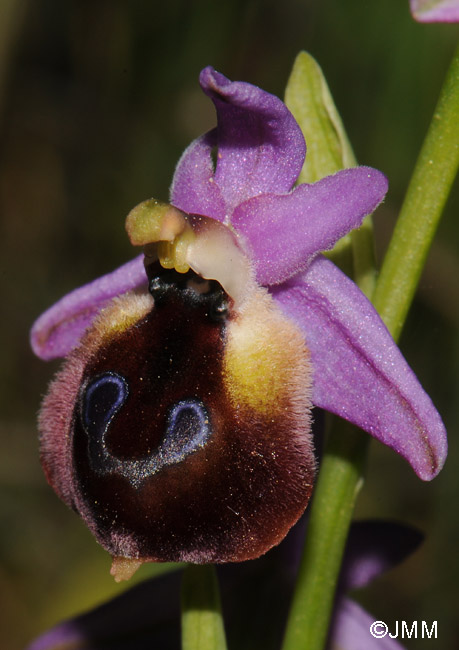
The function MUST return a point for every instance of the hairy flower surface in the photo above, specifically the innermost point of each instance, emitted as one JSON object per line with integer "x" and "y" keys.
{"x": 179, "y": 426}
{"x": 435, "y": 11}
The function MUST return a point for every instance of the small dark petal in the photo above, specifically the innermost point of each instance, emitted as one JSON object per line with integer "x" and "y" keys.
{"x": 255, "y": 600}
{"x": 374, "y": 547}
{"x": 145, "y": 617}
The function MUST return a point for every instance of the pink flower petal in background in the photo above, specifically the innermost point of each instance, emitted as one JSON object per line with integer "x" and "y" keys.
{"x": 435, "y": 11}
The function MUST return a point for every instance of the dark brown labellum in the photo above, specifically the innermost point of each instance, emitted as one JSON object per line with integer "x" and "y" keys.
{"x": 171, "y": 454}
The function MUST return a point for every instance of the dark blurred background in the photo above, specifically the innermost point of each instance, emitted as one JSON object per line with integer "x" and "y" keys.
{"x": 97, "y": 101}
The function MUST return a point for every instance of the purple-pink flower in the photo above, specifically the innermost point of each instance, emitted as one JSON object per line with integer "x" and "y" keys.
{"x": 435, "y": 11}
{"x": 179, "y": 427}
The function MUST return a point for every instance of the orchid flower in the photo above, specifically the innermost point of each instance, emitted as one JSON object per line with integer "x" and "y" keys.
{"x": 148, "y": 615}
{"x": 179, "y": 425}
{"x": 435, "y": 11}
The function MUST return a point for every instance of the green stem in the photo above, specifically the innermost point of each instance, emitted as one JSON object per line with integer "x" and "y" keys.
{"x": 334, "y": 496}
{"x": 202, "y": 621}
{"x": 427, "y": 193}
{"x": 340, "y": 475}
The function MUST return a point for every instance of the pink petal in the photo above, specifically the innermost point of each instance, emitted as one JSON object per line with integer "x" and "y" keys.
{"x": 350, "y": 630}
{"x": 435, "y": 11}
{"x": 359, "y": 372}
{"x": 60, "y": 328}
{"x": 374, "y": 547}
{"x": 193, "y": 187}
{"x": 285, "y": 232}
{"x": 260, "y": 146}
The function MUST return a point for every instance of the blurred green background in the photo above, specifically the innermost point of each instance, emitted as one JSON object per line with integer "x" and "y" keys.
{"x": 97, "y": 101}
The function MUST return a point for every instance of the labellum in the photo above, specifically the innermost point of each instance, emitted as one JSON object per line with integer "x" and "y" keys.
{"x": 180, "y": 428}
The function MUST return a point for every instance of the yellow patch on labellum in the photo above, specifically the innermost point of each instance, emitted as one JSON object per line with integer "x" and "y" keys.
{"x": 120, "y": 314}
{"x": 266, "y": 363}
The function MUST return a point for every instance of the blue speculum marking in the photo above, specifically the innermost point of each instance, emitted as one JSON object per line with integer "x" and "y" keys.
{"x": 103, "y": 398}
{"x": 187, "y": 430}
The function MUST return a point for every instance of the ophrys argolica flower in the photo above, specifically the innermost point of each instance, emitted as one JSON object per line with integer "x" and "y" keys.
{"x": 179, "y": 426}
